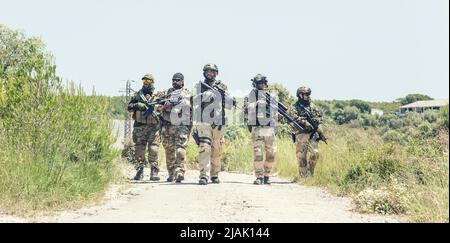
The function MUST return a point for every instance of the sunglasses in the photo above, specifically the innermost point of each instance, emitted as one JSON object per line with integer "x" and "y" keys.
{"x": 148, "y": 81}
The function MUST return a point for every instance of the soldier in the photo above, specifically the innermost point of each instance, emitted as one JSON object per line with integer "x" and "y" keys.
{"x": 308, "y": 139}
{"x": 261, "y": 122}
{"x": 209, "y": 118}
{"x": 145, "y": 129}
{"x": 176, "y": 127}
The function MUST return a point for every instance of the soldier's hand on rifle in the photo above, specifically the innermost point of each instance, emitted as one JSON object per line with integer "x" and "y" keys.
{"x": 208, "y": 95}
{"x": 321, "y": 134}
{"x": 167, "y": 106}
{"x": 141, "y": 106}
{"x": 305, "y": 123}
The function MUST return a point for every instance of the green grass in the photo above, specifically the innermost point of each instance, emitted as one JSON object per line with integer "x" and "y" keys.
{"x": 56, "y": 155}
{"x": 382, "y": 177}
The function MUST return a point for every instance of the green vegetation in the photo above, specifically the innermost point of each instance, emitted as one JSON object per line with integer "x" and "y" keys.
{"x": 413, "y": 98}
{"x": 55, "y": 144}
{"x": 117, "y": 107}
{"x": 388, "y": 164}
{"x": 55, "y": 141}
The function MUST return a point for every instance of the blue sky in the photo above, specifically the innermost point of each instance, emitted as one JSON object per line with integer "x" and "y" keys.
{"x": 375, "y": 50}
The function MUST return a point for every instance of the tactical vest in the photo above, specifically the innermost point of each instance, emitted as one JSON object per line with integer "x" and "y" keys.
{"x": 138, "y": 116}
{"x": 166, "y": 114}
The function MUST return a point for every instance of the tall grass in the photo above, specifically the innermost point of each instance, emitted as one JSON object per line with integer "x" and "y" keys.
{"x": 57, "y": 154}
{"x": 382, "y": 177}
{"x": 55, "y": 141}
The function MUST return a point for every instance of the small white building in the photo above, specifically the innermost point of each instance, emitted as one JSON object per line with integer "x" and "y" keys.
{"x": 424, "y": 105}
{"x": 377, "y": 112}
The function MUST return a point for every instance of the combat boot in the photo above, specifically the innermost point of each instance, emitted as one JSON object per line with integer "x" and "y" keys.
{"x": 139, "y": 174}
{"x": 215, "y": 180}
{"x": 179, "y": 177}
{"x": 203, "y": 181}
{"x": 303, "y": 171}
{"x": 154, "y": 174}
{"x": 311, "y": 169}
{"x": 258, "y": 181}
{"x": 170, "y": 178}
{"x": 266, "y": 180}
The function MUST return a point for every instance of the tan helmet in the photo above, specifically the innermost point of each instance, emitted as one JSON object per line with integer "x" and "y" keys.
{"x": 148, "y": 76}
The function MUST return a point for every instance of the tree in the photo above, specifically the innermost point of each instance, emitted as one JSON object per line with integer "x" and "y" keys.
{"x": 283, "y": 94}
{"x": 27, "y": 71}
{"x": 363, "y": 106}
{"x": 349, "y": 113}
{"x": 413, "y": 98}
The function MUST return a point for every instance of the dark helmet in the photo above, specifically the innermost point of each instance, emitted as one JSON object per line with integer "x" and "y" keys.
{"x": 303, "y": 90}
{"x": 259, "y": 78}
{"x": 179, "y": 76}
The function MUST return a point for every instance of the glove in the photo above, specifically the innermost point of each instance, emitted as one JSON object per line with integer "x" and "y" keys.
{"x": 305, "y": 123}
{"x": 141, "y": 106}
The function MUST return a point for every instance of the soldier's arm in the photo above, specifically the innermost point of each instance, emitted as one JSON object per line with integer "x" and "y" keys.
{"x": 230, "y": 102}
{"x": 132, "y": 104}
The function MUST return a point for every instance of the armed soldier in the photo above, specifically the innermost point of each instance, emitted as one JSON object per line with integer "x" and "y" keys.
{"x": 210, "y": 102}
{"x": 145, "y": 129}
{"x": 260, "y": 118}
{"x": 309, "y": 116}
{"x": 176, "y": 127}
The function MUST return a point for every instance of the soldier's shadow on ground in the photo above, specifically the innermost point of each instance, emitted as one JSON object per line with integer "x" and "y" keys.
{"x": 145, "y": 182}
{"x": 180, "y": 184}
{"x": 165, "y": 183}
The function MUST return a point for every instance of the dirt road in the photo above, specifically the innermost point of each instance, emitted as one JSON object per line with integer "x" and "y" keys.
{"x": 236, "y": 199}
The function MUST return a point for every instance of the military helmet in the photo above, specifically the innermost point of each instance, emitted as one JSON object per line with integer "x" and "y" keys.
{"x": 210, "y": 66}
{"x": 148, "y": 76}
{"x": 303, "y": 90}
{"x": 259, "y": 78}
{"x": 179, "y": 76}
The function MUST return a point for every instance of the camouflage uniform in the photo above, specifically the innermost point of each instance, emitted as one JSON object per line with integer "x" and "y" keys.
{"x": 175, "y": 133}
{"x": 262, "y": 127}
{"x": 306, "y": 141}
{"x": 146, "y": 132}
{"x": 209, "y": 121}
{"x": 211, "y": 136}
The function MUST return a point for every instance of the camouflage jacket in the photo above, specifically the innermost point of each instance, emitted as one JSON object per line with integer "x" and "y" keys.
{"x": 180, "y": 113}
{"x": 301, "y": 116}
{"x": 140, "y": 99}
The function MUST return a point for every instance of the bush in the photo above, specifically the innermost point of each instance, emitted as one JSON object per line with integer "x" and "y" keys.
{"x": 363, "y": 106}
{"x": 55, "y": 141}
{"x": 343, "y": 116}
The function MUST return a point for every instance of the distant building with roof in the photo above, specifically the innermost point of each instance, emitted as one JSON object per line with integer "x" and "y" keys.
{"x": 423, "y": 105}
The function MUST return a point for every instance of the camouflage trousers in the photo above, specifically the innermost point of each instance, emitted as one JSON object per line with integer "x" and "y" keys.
{"x": 175, "y": 141}
{"x": 304, "y": 145}
{"x": 263, "y": 143}
{"x": 146, "y": 136}
{"x": 211, "y": 141}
